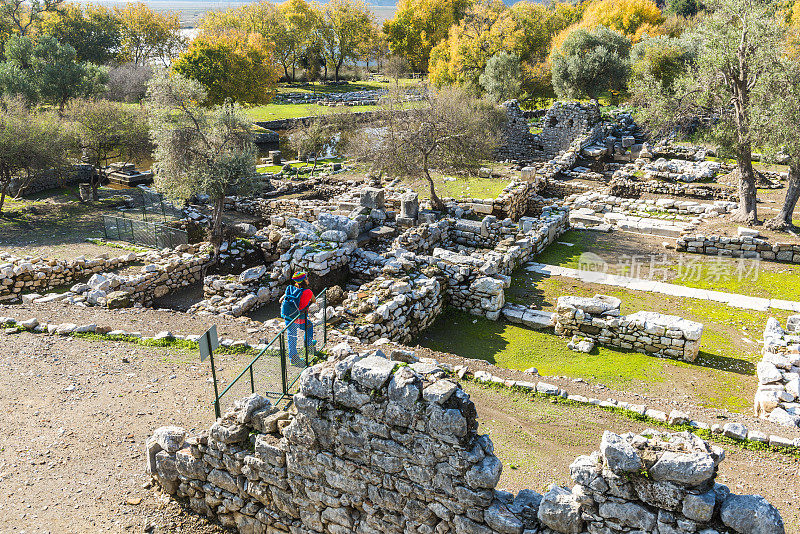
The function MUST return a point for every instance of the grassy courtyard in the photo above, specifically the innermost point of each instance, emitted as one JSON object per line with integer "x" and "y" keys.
{"x": 723, "y": 375}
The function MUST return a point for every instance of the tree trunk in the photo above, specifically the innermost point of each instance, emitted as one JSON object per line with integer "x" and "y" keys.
{"x": 437, "y": 203}
{"x": 5, "y": 176}
{"x": 783, "y": 220}
{"x": 216, "y": 225}
{"x": 747, "y": 212}
{"x": 95, "y": 181}
{"x": 336, "y": 72}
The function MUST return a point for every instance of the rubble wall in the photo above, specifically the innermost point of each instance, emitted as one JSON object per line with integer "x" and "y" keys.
{"x": 649, "y": 332}
{"x": 778, "y": 396}
{"x": 50, "y": 179}
{"x": 377, "y": 447}
{"x": 31, "y": 275}
{"x": 564, "y": 122}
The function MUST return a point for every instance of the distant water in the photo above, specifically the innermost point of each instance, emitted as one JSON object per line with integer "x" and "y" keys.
{"x": 192, "y": 11}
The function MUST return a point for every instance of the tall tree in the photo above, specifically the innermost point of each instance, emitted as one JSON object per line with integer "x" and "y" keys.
{"x": 502, "y": 78}
{"x": 739, "y": 47}
{"x": 197, "y": 150}
{"x": 30, "y": 142}
{"x": 109, "y": 131}
{"x": 778, "y": 98}
{"x": 22, "y": 17}
{"x": 419, "y": 25}
{"x": 345, "y": 25}
{"x": 451, "y": 132}
{"x": 525, "y": 30}
{"x": 148, "y": 35}
{"x": 93, "y": 31}
{"x": 234, "y": 66}
{"x": 44, "y": 70}
{"x": 591, "y": 63}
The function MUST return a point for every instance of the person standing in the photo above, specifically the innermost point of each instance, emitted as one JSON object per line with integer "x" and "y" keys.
{"x": 294, "y": 310}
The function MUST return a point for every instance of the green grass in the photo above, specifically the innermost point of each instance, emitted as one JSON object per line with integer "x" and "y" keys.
{"x": 318, "y": 87}
{"x": 538, "y": 398}
{"x": 277, "y": 168}
{"x": 461, "y": 187}
{"x": 730, "y": 275}
{"x": 271, "y": 112}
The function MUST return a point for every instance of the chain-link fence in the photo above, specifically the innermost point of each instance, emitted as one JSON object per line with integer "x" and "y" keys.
{"x": 143, "y": 233}
{"x": 275, "y": 370}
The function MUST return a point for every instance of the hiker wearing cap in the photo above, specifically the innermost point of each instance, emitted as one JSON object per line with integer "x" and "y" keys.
{"x": 295, "y": 303}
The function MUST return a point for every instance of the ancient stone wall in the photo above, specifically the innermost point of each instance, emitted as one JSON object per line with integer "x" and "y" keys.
{"x": 566, "y": 121}
{"x": 630, "y": 188}
{"x": 395, "y": 307}
{"x": 778, "y": 372}
{"x": 50, "y": 179}
{"x": 739, "y": 247}
{"x": 32, "y": 275}
{"x": 511, "y": 203}
{"x": 518, "y": 143}
{"x": 599, "y": 319}
{"x": 377, "y": 446}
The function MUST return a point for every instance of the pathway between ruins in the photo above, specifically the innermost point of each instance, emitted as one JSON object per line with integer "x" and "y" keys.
{"x": 654, "y": 286}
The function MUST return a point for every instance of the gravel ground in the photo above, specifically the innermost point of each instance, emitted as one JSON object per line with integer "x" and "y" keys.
{"x": 78, "y": 412}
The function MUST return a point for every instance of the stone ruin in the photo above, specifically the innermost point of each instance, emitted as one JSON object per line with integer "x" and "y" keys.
{"x": 599, "y": 320}
{"x": 778, "y": 395}
{"x": 373, "y": 445}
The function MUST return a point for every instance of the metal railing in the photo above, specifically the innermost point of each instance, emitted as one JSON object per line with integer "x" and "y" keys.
{"x": 274, "y": 371}
{"x": 143, "y": 233}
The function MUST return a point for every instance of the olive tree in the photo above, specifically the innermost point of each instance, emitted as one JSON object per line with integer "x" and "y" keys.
{"x": 502, "y": 77}
{"x": 30, "y": 142}
{"x": 199, "y": 150}
{"x": 591, "y": 63}
{"x": 109, "y": 131}
{"x": 448, "y": 132}
{"x": 739, "y": 47}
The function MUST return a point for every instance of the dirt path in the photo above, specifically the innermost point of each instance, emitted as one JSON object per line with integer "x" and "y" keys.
{"x": 75, "y": 418}
{"x": 538, "y": 440}
{"x": 77, "y": 413}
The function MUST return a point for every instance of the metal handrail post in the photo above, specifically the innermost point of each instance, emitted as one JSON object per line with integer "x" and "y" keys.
{"x": 284, "y": 380}
{"x": 252, "y": 382}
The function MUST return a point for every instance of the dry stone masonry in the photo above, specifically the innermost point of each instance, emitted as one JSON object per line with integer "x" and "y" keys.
{"x": 376, "y": 446}
{"x": 599, "y": 319}
{"x": 778, "y": 395}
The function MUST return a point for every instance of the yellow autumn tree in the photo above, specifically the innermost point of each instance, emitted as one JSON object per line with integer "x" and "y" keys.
{"x": 419, "y": 25}
{"x": 524, "y": 30}
{"x": 632, "y": 18}
{"x": 232, "y": 66}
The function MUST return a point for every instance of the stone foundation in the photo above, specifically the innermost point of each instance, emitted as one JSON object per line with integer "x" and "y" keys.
{"x": 375, "y": 446}
{"x": 778, "y": 395}
{"x": 653, "y": 333}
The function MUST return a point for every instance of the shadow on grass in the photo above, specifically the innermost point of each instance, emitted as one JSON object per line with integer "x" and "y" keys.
{"x": 458, "y": 332}
{"x": 724, "y": 363}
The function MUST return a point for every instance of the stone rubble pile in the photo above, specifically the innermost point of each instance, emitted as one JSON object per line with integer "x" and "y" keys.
{"x": 376, "y": 445}
{"x": 647, "y": 332}
{"x": 164, "y": 272}
{"x": 778, "y": 395}
{"x": 631, "y": 187}
{"x": 396, "y": 308}
{"x": 678, "y": 170}
{"x": 663, "y": 216}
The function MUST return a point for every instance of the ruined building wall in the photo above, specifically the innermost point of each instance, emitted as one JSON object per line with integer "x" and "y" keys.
{"x": 599, "y": 318}
{"x": 564, "y": 122}
{"x": 381, "y": 448}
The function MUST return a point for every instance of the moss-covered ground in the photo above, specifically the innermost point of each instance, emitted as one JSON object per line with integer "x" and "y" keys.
{"x": 731, "y": 275}
{"x": 722, "y": 376}
{"x": 459, "y": 186}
